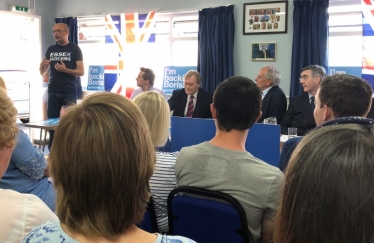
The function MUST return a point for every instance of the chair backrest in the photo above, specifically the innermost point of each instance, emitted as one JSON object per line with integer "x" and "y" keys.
{"x": 207, "y": 216}
{"x": 149, "y": 222}
{"x": 263, "y": 140}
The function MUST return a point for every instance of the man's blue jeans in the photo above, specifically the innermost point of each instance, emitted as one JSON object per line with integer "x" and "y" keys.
{"x": 55, "y": 102}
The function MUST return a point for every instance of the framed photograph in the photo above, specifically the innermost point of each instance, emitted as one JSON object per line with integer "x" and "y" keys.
{"x": 265, "y": 51}
{"x": 265, "y": 18}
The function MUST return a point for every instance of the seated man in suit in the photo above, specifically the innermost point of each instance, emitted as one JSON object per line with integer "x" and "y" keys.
{"x": 300, "y": 109}
{"x": 145, "y": 81}
{"x": 274, "y": 101}
{"x": 223, "y": 164}
{"x": 264, "y": 53}
{"x": 340, "y": 96}
{"x": 192, "y": 101}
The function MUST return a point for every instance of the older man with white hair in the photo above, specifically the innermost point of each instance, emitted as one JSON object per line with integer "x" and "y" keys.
{"x": 274, "y": 101}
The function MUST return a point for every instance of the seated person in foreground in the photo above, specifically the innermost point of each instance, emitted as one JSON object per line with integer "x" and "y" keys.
{"x": 223, "y": 164}
{"x": 28, "y": 172}
{"x": 19, "y": 213}
{"x": 328, "y": 189}
{"x": 163, "y": 178}
{"x": 102, "y": 182}
{"x": 300, "y": 110}
{"x": 337, "y": 97}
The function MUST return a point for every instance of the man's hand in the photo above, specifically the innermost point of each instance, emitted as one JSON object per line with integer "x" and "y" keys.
{"x": 44, "y": 64}
{"x": 60, "y": 67}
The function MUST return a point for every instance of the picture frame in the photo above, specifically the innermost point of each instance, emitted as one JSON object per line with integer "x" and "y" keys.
{"x": 264, "y": 51}
{"x": 265, "y": 18}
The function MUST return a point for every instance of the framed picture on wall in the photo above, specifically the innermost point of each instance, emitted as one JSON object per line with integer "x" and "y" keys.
{"x": 264, "y": 51}
{"x": 265, "y": 18}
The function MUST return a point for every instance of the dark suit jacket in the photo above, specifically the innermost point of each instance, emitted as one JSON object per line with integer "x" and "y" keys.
{"x": 300, "y": 115}
{"x": 262, "y": 54}
{"x": 178, "y": 101}
{"x": 274, "y": 104}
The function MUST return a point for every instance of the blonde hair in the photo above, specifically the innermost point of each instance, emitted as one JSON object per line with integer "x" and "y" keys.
{"x": 101, "y": 162}
{"x": 2, "y": 83}
{"x": 8, "y": 113}
{"x": 157, "y": 113}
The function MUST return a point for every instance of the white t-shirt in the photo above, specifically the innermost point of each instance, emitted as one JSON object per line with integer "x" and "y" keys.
{"x": 19, "y": 214}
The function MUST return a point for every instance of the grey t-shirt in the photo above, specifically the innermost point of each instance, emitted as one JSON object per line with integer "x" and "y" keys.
{"x": 254, "y": 183}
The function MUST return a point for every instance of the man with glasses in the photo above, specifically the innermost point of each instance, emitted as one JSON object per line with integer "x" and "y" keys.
{"x": 300, "y": 109}
{"x": 274, "y": 101}
{"x": 65, "y": 61}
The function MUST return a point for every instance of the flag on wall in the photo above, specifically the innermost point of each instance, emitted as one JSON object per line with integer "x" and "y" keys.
{"x": 125, "y": 33}
{"x": 368, "y": 41}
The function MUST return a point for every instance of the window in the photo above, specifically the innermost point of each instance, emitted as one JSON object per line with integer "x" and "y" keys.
{"x": 175, "y": 44}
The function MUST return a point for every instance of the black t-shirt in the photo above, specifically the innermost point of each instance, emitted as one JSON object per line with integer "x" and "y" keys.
{"x": 62, "y": 82}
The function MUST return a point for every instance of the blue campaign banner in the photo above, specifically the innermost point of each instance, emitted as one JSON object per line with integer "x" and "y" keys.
{"x": 173, "y": 77}
{"x": 355, "y": 71}
{"x": 96, "y": 78}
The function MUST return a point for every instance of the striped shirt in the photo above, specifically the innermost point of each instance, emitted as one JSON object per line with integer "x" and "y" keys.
{"x": 161, "y": 183}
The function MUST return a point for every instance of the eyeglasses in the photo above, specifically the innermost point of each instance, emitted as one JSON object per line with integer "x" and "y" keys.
{"x": 57, "y": 31}
{"x": 305, "y": 77}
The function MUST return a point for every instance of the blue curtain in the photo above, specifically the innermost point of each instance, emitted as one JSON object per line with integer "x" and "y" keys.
{"x": 216, "y": 45}
{"x": 73, "y": 38}
{"x": 310, "y": 38}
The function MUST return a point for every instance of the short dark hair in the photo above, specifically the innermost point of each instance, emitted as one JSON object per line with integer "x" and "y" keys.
{"x": 317, "y": 71}
{"x": 148, "y": 75}
{"x": 346, "y": 95}
{"x": 238, "y": 103}
{"x": 328, "y": 188}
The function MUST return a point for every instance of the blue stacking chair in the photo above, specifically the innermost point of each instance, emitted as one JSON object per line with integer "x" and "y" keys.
{"x": 149, "y": 222}
{"x": 207, "y": 216}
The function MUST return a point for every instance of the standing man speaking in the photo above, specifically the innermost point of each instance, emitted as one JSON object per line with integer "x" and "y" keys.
{"x": 65, "y": 61}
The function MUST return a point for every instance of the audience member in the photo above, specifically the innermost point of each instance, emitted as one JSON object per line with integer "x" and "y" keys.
{"x": 339, "y": 96}
{"x": 145, "y": 81}
{"x": 192, "y": 101}
{"x": 328, "y": 189}
{"x": 300, "y": 109}
{"x": 102, "y": 181}
{"x": 163, "y": 178}
{"x": 19, "y": 212}
{"x": 27, "y": 171}
{"x": 223, "y": 164}
{"x": 274, "y": 101}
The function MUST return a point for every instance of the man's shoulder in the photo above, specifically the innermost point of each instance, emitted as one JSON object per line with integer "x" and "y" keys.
{"x": 300, "y": 97}
{"x": 276, "y": 90}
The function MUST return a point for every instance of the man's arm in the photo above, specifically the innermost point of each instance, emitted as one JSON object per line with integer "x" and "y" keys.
{"x": 288, "y": 118}
{"x": 279, "y": 108}
{"x": 171, "y": 101}
{"x": 79, "y": 71}
{"x": 44, "y": 65}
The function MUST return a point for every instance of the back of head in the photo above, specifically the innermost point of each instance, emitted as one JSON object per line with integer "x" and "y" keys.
{"x": 346, "y": 95}
{"x": 238, "y": 103}
{"x": 273, "y": 74}
{"x": 317, "y": 71}
{"x": 148, "y": 75}
{"x": 328, "y": 194}
{"x": 8, "y": 113}
{"x": 101, "y": 161}
{"x": 157, "y": 113}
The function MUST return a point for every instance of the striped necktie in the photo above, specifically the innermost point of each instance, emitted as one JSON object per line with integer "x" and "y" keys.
{"x": 312, "y": 103}
{"x": 190, "y": 107}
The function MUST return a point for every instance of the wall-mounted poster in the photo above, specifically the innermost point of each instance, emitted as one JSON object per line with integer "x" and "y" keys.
{"x": 264, "y": 18}
{"x": 265, "y": 51}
